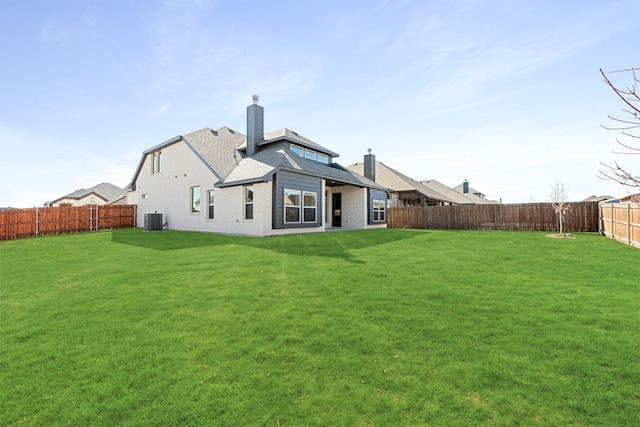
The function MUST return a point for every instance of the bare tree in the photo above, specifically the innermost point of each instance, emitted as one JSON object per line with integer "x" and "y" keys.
{"x": 560, "y": 201}
{"x": 628, "y": 125}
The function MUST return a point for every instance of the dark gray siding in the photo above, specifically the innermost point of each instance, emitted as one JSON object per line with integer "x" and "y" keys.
{"x": 255, "y": 128}
{"x": 295, "y": 181}
{"x": 376, "y": 195}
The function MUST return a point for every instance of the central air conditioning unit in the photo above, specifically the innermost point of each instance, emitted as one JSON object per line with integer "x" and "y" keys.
{"x": 153, "y": 222}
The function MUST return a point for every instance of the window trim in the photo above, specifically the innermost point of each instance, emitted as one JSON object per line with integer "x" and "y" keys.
{"x": 308, "y": 153}
{"x": 379, "y": 209}
{"x": 314, "y": 207}
{"x": 210, "y": 204}
{"x": 247, "y": 202}
{"x": 195, "y": 209}
{"x": 156, "y": 162}
{"x": 325, "y": 158}
{"x": 294, "y": 147}
{"x": 298, "y": 206}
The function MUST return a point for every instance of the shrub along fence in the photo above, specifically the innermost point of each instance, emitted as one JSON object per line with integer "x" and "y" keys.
{"x": 20, "y": 223}
{"x": 621, "y": 221}
{"x": 582, "y": 217}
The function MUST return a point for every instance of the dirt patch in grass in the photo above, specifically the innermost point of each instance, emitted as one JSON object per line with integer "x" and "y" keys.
{"x": 561, "y": 236}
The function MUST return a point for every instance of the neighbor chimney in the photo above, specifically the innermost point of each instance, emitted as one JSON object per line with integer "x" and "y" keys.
{"x": 370, "y": 166}
{"x": 465, "y": 187}
{"x": 255, "y": 126}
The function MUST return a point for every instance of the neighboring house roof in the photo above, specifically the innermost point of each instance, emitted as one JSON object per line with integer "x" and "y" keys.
{"x": 122, "y": 200}
{"x": 106, "y": 191}
{"x": 458, "y": 198}
{"x": 630, "y": 198}
{"x": 474, "y": 195}
{"x": 399, "y": 182}
{"x": 460, "y": 189}
{"x": 598, "y": 198}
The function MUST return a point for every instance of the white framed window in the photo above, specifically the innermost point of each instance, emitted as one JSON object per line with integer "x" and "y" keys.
{"x": 379, "y": 210}
{"x": 291, "y": 206}
{"x": 195, "y": 199}
{"x": 248, "y": 202}
{"x": 310, "y": 206}
{"x": 156, "y": 162}
{"x": 309, "y": 154}
{"x": 297, "y": 149}
{"x": 210, "y": 200}
{"x": 300, "y": 206}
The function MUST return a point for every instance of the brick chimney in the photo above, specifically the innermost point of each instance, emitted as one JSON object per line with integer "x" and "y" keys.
{"x": 370, "y": 166}
{"x": 255, "y": 126}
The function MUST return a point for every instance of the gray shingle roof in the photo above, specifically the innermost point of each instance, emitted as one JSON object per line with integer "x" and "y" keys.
{"x": 104, "y": 190}
{"x": 472, "y": 194}
{"x": 218, "y": 149}
{"x": 221, "y": 150}
{"x": 458, "y": 198}
{"x": 399, "y": 182}
{"x": 263, "y": 164}
{"x": 291, "y": 136}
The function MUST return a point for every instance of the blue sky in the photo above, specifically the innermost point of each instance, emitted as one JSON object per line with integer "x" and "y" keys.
{"x": 506, "y": 94}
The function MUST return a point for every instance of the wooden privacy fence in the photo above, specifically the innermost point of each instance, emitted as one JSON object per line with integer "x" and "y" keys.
{"x": 621, "y": 221}
{"x": 20, "y": 223}
{"x": 582, "y": 217}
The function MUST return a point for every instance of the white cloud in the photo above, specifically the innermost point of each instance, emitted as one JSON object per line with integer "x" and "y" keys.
{"x": 160, "y": 110}
{"x": 63, "y": 31}
{"x": 34, "y": 170}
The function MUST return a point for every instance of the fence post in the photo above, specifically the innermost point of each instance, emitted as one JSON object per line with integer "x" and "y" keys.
{"x": 629, "y": 223}
{"x": 613, "y": 230}
{"x": 37, "y": 222}
{"x": 96, "y": 227}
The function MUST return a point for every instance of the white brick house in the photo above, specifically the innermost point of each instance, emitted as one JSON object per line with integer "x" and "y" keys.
{"x": 262, "y": 184}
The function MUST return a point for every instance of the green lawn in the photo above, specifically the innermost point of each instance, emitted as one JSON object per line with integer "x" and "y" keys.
{"x": 378, "y": 327}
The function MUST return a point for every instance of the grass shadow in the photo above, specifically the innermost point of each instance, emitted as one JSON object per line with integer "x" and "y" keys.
{"x": 337, "y": 245}
{"x": 166, "y": 240}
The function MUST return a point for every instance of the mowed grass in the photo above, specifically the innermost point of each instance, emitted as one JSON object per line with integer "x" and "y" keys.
{"x": 377, "y": 327}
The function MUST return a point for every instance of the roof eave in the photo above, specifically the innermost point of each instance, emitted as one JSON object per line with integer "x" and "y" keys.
{"x": 144, "y": 155}
{"x": 264, "y": 178}
{"x": 164, "y": 144}
{"x": 298, "y": 142}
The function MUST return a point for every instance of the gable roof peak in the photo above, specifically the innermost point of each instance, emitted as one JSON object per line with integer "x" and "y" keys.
{"x": 296, "y": 138}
